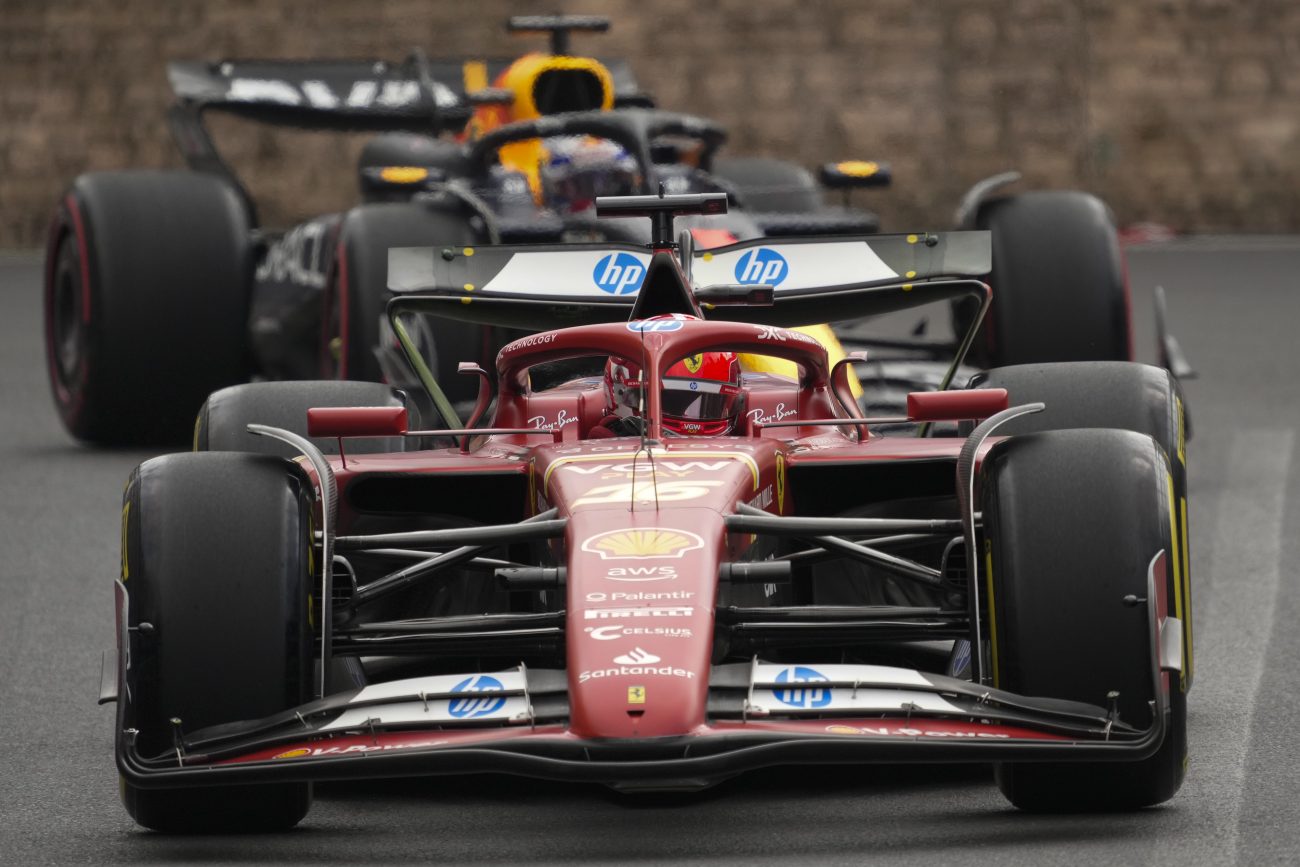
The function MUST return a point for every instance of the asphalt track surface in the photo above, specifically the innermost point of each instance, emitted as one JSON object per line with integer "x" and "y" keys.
{"x": 1235, "y": 304}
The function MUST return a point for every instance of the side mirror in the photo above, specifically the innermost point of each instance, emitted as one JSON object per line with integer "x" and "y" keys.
{"x": 357, "y": 421}
{"x": 855, "y": 175}
{"x": 959, "y": 405}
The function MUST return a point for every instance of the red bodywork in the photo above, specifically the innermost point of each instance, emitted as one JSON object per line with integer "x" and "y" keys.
{"x": 646, "y": 534}
{"x": 642, "y": 551}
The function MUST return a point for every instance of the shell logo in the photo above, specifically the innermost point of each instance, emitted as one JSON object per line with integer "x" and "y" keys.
{"x": 844, "y": 730}
{"x": 642, "y": 544}
{"x": 294, "y": 754}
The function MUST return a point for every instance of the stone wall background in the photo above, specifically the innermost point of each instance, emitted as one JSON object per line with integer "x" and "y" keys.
{"x": 1185, "y": 112}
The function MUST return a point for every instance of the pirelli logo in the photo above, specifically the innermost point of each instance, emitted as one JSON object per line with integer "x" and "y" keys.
{"x": 621, "y": 613}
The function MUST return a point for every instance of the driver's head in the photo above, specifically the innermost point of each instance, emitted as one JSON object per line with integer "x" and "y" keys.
{"x": 580, "y": 168}
{"x": 701, "y": 393}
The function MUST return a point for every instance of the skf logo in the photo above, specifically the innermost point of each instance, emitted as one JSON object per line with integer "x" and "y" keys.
{"x": 476, "y": 706}
{"x": 801, "y": 696}
{"x": 762, "y": 266}
{"x": 619, "y": 273}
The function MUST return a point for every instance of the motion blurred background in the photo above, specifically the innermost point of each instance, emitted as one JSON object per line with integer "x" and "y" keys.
{"x": 1179, "y": 112}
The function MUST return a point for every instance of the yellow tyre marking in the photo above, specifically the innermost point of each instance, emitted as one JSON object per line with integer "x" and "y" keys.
{"x": 126, "y": 515}
{"x": 993, "y": 616}
{"x": 1182, "y": 433}
{"x": 1178, "y": 571}
{"x": 1187, "y": 594}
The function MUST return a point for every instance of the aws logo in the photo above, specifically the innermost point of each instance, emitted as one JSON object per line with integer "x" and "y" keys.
{"x": 618, "y": 273}
{"x": 762, "y": 266}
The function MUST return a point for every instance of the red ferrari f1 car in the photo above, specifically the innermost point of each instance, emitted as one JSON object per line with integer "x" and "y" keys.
{"x": 642, "y": 564}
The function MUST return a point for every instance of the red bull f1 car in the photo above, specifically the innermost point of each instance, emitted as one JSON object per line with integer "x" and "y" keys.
{"x": 645, "y": 564}
{"x": 164, "y": 286}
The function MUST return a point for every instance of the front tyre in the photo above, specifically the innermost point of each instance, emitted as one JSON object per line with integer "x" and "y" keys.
{"x": 1073, "y": 522}
{"x": 217, "y": 560}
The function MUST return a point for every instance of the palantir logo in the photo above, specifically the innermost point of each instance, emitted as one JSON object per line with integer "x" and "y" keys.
{"x": 619, "y": 273}
{"x": 762, "y": 266}
{"x": 803, "y": 697}
{"x": 476, "y": 706}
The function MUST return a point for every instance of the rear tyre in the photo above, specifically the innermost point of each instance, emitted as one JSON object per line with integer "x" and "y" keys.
{"x": 1059, "y": 288}
{"x": 356, "y": 323}
{"x": 146, "y": 302}
{"x": 1111, "y": 394}
{"x": 217, "y": 559}
{"x": 223, "y": 420}
{"x": 1072, "y": 522}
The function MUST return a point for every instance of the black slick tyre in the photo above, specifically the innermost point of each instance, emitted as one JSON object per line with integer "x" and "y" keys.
{"x": 146, "y": 302}
{"x": 358, "y": 294}
{"x": 217, "y": 561}
{"x": 1111, "y": 394}
{"x": 1074, "y": 521}
{"x": 1059, "y": 288}
{"x": 222, "y": 423}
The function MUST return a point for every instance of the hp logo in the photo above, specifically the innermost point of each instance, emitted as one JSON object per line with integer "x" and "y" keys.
{"x": 655, "y": 325}
{"x": 619, "y": 274}
{"x": 762, "y": 266}
{"x": 476, "y": 706}
{"x": 802, "y": 697}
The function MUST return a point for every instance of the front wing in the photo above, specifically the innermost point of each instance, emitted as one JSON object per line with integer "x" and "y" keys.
{"x": 435, "y": 725}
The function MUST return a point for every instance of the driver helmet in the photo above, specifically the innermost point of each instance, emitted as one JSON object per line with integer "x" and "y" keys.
{"x": 702, "y": 395}
{"x": 580, "y": 168}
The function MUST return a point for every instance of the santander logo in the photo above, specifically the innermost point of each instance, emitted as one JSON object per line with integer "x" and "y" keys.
{"x": 637, "y": 656}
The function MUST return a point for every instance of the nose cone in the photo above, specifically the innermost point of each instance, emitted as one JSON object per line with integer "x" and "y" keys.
{"x": 641, "y": 593}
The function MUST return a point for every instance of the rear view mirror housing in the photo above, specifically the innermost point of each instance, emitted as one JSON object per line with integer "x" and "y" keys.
{"x": 855, "y": 175}
{"x": 357, "y": 421}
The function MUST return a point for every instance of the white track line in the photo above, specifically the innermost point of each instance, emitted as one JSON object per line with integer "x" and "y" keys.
{"x": 1235, "y": 623}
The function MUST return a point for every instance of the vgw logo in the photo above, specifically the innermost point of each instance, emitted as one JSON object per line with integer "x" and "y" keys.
{"x": 618, "y": 273}
{"x": 476, "y": 706}
{"x": 803, "y": 697}
{"x": 762, "y": 266}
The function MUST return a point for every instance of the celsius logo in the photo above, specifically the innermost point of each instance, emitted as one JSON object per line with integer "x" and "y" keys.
{"x": 618, "y": 273}
{"x": 476, "y": 706}
{"x": 800, "y": 697}
{"x": 762, "y": 266}
{"x": 637, "y": 656}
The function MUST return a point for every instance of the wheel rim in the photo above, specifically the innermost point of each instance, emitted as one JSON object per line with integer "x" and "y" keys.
{"x": 68, "y": 334}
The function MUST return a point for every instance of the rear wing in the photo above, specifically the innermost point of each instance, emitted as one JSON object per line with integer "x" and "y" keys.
{"x": 414, "y": 95}
{"x": 814, "y": 279}
{"x": 322, "y": 94}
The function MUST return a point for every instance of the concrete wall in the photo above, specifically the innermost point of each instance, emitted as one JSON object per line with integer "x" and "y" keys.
{"x": 1185, "y": 112}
